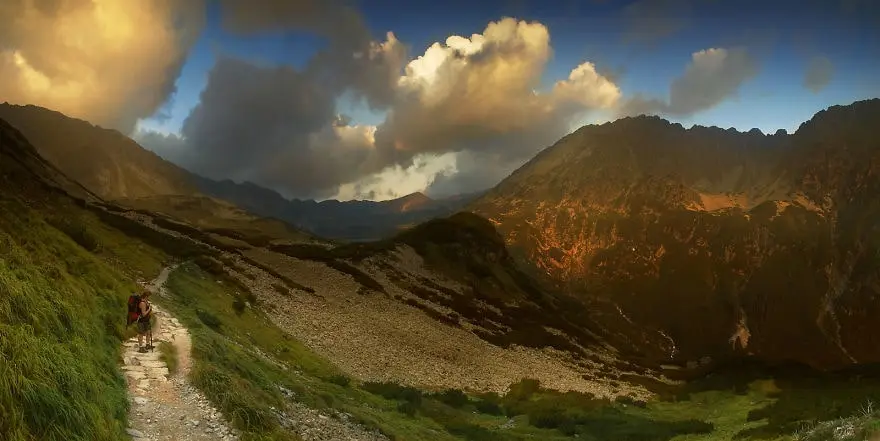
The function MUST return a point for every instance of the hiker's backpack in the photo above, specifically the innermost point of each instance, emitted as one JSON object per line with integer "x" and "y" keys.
{"x": 134, "y": 313}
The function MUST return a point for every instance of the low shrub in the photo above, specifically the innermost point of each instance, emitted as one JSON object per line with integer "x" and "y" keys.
{"x": 77, "y": 232}
{"x": 238, "y": 305}
{"x": 209, "y": 320}
{"x": 452, "y": 397}
{"x": 408, "y": 408}
{"x": 394, "y": 391}
{"x": 340, "y": 380}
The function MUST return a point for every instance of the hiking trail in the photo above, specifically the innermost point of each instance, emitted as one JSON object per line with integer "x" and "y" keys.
{"x": 165, "y": 406}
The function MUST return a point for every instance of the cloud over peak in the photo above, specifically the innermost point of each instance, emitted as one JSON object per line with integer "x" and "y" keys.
{"x": 712, "y": 76}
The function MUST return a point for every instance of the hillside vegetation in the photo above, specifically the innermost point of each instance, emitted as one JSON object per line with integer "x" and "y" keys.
{"x": 63, "y": 277}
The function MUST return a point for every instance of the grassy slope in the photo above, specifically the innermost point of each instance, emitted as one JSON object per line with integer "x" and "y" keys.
{"x": 61, "y": 321}
{"x": 240, "y": 359}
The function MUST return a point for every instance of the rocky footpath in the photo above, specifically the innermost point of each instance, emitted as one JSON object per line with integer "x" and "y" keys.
{"x": 164, "y": 406}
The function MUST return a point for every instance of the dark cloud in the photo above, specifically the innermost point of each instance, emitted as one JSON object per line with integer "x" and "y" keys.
{"x": 713, "y": 76}
{"x": 650, "y": 20}
{"x": 275, "y": 126}
{"x": 351, "y": 59}
{"x": 331, "y": 18}
{"x": 819, "y": 72}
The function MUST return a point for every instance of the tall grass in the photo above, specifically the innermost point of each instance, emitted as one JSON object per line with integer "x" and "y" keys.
{"x": 61, "y": 322}
{"x": 168, "y": 354}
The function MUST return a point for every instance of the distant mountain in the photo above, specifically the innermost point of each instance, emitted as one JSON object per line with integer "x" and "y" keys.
{"x": 704, "y": 242}
{"x": 104, "y": 161}
{"x": 332, "y": 219}
{"x": 114, "y": 167}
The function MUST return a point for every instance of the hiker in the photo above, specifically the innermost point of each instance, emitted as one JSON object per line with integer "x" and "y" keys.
{"x": 143, "y": 322}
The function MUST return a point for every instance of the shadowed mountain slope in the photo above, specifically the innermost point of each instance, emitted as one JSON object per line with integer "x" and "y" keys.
{"x": 706, "y": 242}
{"x": 104, "y": 161}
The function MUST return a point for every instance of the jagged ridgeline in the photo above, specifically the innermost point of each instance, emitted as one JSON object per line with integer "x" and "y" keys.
{"x": 691, "y": 243}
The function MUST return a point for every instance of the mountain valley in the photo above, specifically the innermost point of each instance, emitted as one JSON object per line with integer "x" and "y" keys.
{"x": 585, "y": 286}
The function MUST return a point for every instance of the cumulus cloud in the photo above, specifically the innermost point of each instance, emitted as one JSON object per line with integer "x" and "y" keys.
{"x": 818, "y": 74}
{"x": 107, "y": 61}
{"x": 278, "y": 127}
{"x": 479, "y": 93}
{"x": 712, "y": 76}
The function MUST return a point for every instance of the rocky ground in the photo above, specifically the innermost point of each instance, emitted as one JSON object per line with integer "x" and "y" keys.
{"x": 313, "y": 425}
{"x": 376, "y": 338}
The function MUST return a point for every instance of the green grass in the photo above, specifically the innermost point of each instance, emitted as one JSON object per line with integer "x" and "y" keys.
{"x": 61, "y": 323}
{"x": 168, "y": 354}
{"x": 244, "y": 364}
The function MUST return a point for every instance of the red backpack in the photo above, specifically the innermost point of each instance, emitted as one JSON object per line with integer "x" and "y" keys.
{"x": 134, "y": 313}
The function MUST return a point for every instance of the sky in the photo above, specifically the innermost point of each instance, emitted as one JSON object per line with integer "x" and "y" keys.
{"x": 376, "y": 99}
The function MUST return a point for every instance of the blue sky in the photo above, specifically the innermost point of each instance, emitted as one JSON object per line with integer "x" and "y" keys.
{"x": 783, "y": 37}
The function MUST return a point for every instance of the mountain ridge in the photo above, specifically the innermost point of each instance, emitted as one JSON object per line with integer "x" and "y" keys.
{"x": 114, "y": 167}
{"x": 693, "y": 233}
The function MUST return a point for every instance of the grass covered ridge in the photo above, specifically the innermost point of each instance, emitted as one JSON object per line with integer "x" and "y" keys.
{"x": 62, "y": 312}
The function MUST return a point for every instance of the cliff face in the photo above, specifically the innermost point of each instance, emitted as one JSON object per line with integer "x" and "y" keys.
{"x": 707, "y": 242}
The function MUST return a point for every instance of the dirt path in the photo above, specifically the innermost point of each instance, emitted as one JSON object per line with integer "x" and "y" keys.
{"x": 165, "y": 406}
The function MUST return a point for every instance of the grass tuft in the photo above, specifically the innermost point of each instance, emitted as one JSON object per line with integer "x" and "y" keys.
{"x": 168, "y": 354}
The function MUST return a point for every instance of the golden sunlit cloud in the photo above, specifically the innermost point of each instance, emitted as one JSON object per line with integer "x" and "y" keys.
{"x": 110, "y": 62}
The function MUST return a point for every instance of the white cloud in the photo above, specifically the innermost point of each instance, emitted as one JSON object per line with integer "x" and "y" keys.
{"x": 397, "y": 181}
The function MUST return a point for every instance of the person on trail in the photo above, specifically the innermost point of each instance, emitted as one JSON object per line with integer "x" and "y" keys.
{"x": 143, "y": 321}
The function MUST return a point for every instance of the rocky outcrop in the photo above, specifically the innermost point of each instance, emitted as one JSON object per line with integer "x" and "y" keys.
{"x": 687, "y": 243}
